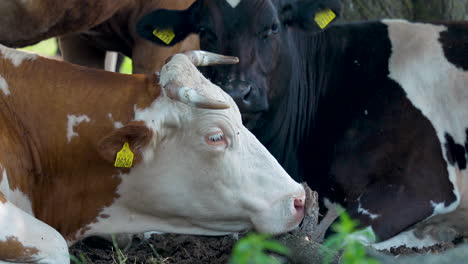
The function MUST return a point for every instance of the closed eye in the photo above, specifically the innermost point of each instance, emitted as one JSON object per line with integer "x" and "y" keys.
{"x": 216, "y": 139}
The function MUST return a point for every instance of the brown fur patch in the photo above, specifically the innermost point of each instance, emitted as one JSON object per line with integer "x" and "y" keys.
{"x": 137, "y": 134}
{"x": 12, "y": 249}
{"x": 2, "y": 197}
{"x": 41, "y": 163}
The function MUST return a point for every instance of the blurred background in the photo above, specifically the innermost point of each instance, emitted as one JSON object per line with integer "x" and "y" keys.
{"x": 355, "y": 10}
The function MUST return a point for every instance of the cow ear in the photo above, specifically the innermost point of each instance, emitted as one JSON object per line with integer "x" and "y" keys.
{"x": 169, "y": 27}
{"x": 311, "y": 15}
{"x": 137, "y": 136}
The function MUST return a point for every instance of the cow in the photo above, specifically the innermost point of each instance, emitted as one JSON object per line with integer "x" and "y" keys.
{"x": 88, "y": 28}
{"x": 373, "y": 115}
{"x": 88, "y": 152}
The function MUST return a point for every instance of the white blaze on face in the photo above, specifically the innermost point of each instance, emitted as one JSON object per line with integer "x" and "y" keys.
{"x": 4, "y": 86}
{"x": 16, "y": 57}
{"x": 202, "y": 173}
{"x": 432, "y": 84}
{"x": 73, "y": 121}
{"x": 233, "y": 3}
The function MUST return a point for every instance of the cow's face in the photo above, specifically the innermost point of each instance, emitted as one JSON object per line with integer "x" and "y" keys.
{"x": 201, "y": 171}
{"x": 256, "y": 31}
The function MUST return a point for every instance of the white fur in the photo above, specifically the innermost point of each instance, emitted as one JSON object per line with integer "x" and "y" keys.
{"x": 16, "y": 57}
{"x": 15, "y": 196}
{"x": 74, "y": 120}
{"x": 187, "y": 186}
{"x": 364, "y": 211}
{"x": 432, "y": 84}
{"x": 233, "y": 3}
{"x": 407, "y": 239}
{"x": 440, "y": 208}
{"x": 116, "y": 123}
{"x": 4, "y": 86}
{"x": 32, "y": 233}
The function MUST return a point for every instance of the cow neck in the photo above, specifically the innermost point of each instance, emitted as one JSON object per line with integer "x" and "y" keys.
{"x": 301, "y": 128}
{"x": 63, "y": 110}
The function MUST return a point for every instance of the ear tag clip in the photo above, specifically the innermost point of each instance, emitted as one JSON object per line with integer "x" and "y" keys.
{"x": 124, "y": 157}
{"x": 165, "y": 35}
{"x": 324, "y": 17}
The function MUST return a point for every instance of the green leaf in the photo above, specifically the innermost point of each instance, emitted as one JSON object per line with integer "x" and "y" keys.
{"x": 276, "y": 247}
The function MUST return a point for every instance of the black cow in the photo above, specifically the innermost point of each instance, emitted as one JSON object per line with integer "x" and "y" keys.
{"x": 372, "y": 115}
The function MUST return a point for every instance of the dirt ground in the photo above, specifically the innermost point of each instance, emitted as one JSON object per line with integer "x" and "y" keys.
{"x": 186, "y": 249}
{"x": 165, "y": 249}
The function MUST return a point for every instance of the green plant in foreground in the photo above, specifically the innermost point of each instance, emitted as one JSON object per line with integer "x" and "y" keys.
{"x": 120, "y": 256}
{"x": 252, "y": 248}
{"x": 81, "y": 260}
{"x": 349, "y": 240}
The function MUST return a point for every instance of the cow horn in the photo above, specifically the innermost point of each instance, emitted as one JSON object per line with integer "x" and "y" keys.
{"x": 205, "y": 58}
{"x": 190, "y": 96}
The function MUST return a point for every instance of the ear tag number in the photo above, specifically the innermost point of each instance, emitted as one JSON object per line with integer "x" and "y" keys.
{"x": 124, "y": 157}
{"x": 324, "y": 17}
{"x": 166, "y": 35}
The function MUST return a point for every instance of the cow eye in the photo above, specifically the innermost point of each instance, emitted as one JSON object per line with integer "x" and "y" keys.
{"x": 274, "y": 28}
{"x": 269, "y": 31}
{"x": 216, "y": 138}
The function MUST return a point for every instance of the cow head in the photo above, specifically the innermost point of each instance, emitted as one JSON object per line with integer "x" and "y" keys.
{"x": 198, "y": 170}
{"x": 259, "y": 32}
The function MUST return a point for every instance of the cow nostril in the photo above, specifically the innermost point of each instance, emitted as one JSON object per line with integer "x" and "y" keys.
{"x": 247, "y": 93}
{"x": 299, "y": 203}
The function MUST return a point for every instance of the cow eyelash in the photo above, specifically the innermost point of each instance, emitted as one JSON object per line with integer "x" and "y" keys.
{"x": 216, "y": 137}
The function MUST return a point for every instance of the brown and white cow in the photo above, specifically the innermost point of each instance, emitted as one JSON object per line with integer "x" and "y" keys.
{"x": 196, "y": 170}
{"x": 87, "y": 28}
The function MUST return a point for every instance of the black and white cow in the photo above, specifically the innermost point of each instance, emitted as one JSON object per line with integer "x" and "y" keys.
{"x": 372, "y": 115}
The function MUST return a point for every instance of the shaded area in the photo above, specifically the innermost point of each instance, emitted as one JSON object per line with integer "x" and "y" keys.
{"x": 167, "y": 248}
{"x": 415, "y": 10}
{"x": 186, "y": 249}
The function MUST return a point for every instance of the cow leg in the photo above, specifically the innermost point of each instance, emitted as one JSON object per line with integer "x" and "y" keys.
{"x": 78, "y": 50}
{"x": 389, "y": 208}
{"x": 23, "y": 238}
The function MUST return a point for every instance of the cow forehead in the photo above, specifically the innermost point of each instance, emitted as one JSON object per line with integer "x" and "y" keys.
{"x": 252, "y": 15}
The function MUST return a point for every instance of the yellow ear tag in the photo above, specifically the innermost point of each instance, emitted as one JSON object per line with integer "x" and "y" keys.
{"x": 324, "y": 17}
{"x": 166, "y": 35}
{"x": 124, "y": 157}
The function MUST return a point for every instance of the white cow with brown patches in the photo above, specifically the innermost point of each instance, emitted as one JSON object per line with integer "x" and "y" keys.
{"x": 196, "y": 168}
